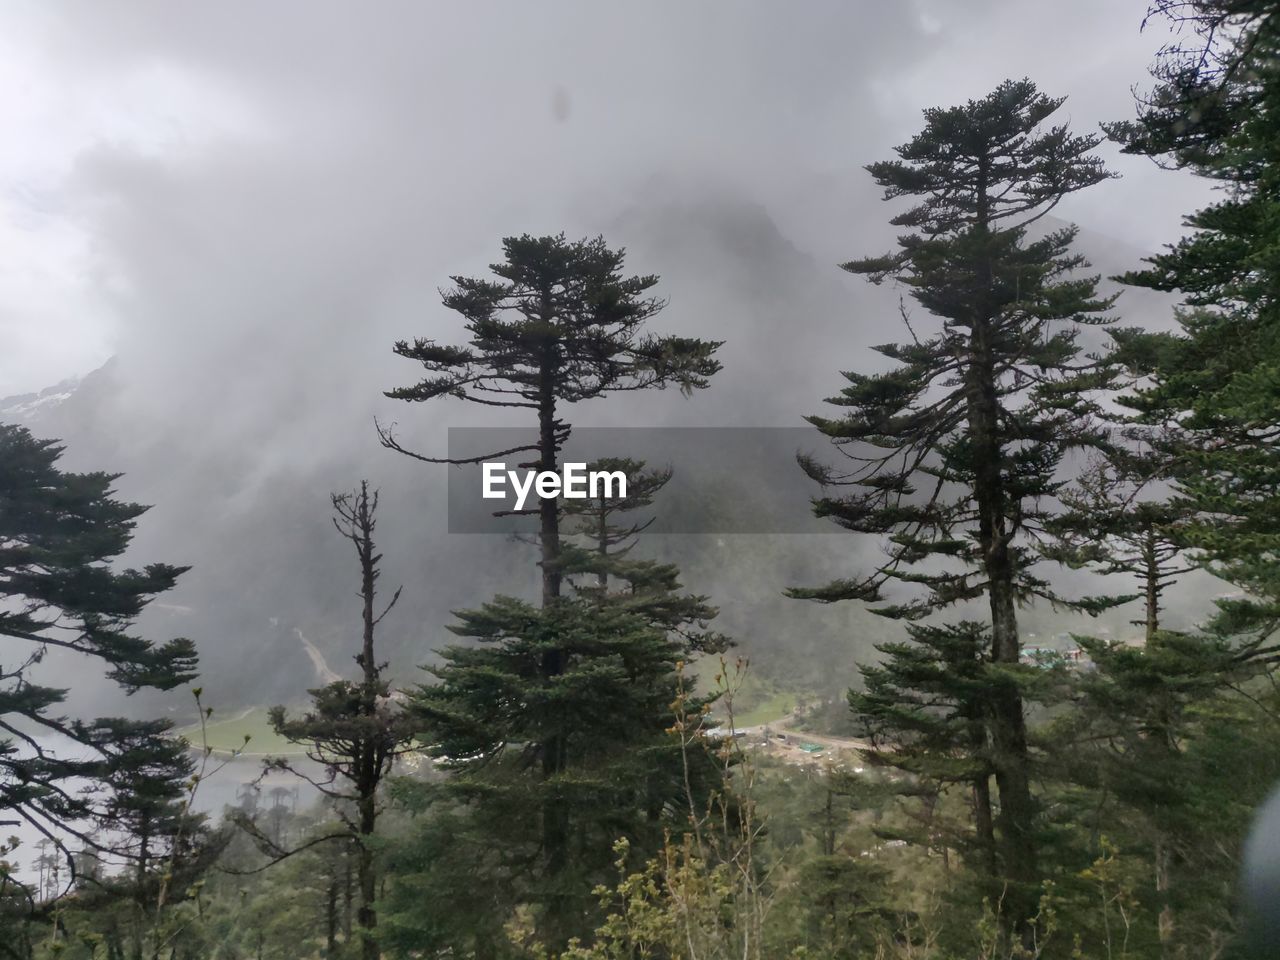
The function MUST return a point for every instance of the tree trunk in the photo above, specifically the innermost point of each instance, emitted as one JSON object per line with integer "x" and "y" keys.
{"x": 983, "y": 820}
{"x": 1149, "y": 556}
{"x": 370, "y": 758}
{"x": 1009, "y": 741}
{"x": 602, "y": 546}
{"x": 1165, "y": 918}
{"x": 984, "y": 824}
{"x": 555, "y": 816}
{"x": 366, "y": 916}
{"x": 548, "y": 509}
{"x": 346, "y": 896}
{"x": 331, "y": 917}
{"x": 1010, "y": 759}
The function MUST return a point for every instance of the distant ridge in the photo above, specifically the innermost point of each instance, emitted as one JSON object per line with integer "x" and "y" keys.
{"x": 26, "y": 407}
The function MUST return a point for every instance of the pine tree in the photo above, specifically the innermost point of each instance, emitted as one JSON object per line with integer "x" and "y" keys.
{"x": 955, "y": 451}
{"x": 355, "y": 730}
{"x": 147, "y": 801}
{"x": 1212, "y": 400}
{"x": 547, "y": 720}
{"x": 1153, "y": 727}
{"x": 1215, "y": 385}
{"x": 1112, "y": 524}
{"x": 595, "y": 519}
{"x": 601, "y": 536}
{"x": 924, "y": 709}
{"x": 59, "y": 533}
{"x": 1142, "y": 759}
{"x": 559, "y": 326}
{"x": 162, "y": 848}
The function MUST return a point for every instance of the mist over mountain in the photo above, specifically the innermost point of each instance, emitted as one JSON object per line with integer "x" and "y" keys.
{"x": 832, "y": 671}
{"x": 237, "y": 440}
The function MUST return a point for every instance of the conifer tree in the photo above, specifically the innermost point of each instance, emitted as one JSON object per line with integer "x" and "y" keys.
{"x": 1153, "y": 726}
{"x": 1130, "y": 753}
{"x": 1215, "y": 384}
{"x": 548, "y": 718}
{"x": 59, "y": 533}
{"x": 559, "y": 325}
{"x": 150, "y": 810}
{"x": 924, "y": 709}
{"x": 1111, "y": 524}
{"x": 595, "y": 519}
{"x": 954, "y": 452}
{"x": 355, "y": 730}
{"x": 1140, "y": 759}
{"x": 602, "y": 532}
{"x": 159, "y": 849}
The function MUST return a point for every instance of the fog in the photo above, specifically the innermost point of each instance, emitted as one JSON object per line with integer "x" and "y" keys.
{"x": 193, "y": 185}
{"x": 245, "y": 205}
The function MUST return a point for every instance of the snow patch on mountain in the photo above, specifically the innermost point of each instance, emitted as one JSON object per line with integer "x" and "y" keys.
{"x": 25, "y": 408}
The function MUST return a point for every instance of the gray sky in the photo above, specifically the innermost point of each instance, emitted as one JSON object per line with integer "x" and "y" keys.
{"x": 208, "y": 189}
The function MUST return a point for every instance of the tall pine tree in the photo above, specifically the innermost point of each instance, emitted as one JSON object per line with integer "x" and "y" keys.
{"x": 1215, "y": 384}
{"x": 543, "y": 719}
{"x": 1164, "y": 732}
{"x": 354, "y": 729}
{"x": 954, "y": 452}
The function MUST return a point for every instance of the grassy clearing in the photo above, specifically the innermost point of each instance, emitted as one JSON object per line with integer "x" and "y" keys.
{"x": 775, "y": 708}
{"x": 225, "y": 735}
{"x": 756, "y": 700}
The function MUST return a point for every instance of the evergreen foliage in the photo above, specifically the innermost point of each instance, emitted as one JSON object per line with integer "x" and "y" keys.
{"x": 554, "y": 720}
{"x": 1110, "y": 522}
{"x": 1215, "y": 385}
{"x": 954, "y": 453}
{"x": 59, "y": 595}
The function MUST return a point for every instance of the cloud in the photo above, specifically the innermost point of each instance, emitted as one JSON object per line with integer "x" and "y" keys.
{"x": 257, "y": 150}
{"x": 249, "y": 203}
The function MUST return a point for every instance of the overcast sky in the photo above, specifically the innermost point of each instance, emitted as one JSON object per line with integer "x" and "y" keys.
{"x": 201, "y": 179}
